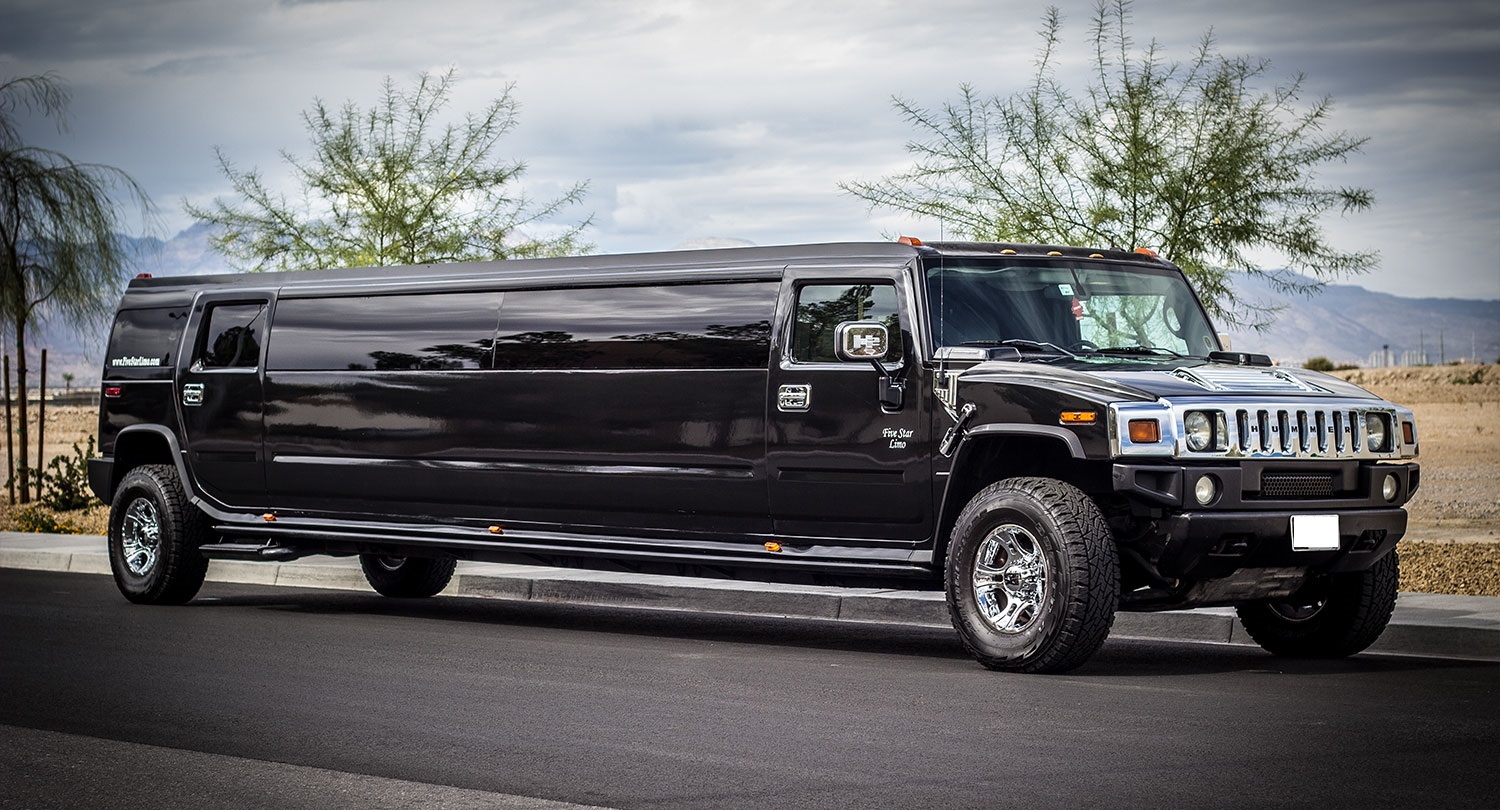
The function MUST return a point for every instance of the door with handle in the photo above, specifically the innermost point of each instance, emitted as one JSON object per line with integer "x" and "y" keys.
{"x": 220, "y": 397}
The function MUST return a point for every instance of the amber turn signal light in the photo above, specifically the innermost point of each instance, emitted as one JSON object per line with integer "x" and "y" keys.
{"x": 1145, "y": 431}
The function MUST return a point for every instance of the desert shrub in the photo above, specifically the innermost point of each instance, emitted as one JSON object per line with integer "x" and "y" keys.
{"x": 65, "y": 481}
{"x": 1318, "y": 364}
{"x": 37, "y": 519}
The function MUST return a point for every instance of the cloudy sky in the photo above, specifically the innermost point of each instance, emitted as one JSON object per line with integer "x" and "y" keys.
{"x": 698, "y": 120}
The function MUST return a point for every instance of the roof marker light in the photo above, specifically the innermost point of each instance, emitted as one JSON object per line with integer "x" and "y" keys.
{"x": 1054, "y": 253}
{"x": 1096, "y": 255}
{"x": 910, "y": 240}
{"x": 1007, "y": 252}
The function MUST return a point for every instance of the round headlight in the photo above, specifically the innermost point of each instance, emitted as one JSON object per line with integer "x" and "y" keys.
{"x": 1378, "y": 437}
{"x": 1198, "y": 429}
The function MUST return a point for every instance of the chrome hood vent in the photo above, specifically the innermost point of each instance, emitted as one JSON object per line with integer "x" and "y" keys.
{"x": 1248, "y": 380}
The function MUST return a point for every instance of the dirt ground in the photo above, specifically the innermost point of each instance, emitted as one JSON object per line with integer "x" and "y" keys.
{"x": 1453, "y": 541}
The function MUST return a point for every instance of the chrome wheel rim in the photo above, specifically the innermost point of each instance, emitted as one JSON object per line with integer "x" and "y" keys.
{"x": 1010, "y": 581}
{"x": 1297, "y": 613}
{"x": 390, "y": 563}
{"x": 140, "y": 537}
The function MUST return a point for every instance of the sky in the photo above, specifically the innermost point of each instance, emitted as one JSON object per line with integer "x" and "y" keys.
{"x": 719, "y": 122}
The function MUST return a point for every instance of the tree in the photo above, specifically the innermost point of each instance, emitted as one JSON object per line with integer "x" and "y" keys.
{"x": 1188, "y": 159}
{"x": 60, "y": 252}
{"x": 389, "y": 186}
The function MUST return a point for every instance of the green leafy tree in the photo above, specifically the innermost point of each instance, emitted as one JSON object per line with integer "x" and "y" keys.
{"x": 1188, "y": 159}
{"x": 392, "y": 186}
{"x": 60, "y": 252}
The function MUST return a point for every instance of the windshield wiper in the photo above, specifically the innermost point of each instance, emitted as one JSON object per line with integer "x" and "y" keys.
{"x": 1022, "y": 343}
{"x": 1137, "y": 350}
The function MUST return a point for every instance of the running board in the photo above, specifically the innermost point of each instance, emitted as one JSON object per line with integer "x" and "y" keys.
{"x": 260, "y": 552}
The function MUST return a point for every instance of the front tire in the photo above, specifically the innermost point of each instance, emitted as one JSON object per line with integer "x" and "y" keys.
{"x": 1335, "y": 618}
{"x": 1032, "y": 577}
{"x": 407, "y": 577}
{"x": 154, "y": 537}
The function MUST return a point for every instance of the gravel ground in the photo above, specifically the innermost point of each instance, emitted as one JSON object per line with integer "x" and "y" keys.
{"x": 1453, "y": 541}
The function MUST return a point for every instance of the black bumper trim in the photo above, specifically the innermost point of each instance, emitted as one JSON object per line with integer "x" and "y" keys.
{"x": 1205, "y": 545}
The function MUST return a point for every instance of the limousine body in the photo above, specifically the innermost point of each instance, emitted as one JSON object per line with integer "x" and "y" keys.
{"x": 1050, "y": 434}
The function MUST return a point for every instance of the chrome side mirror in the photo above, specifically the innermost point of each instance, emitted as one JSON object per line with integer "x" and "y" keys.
{"x": 861, "y": 341}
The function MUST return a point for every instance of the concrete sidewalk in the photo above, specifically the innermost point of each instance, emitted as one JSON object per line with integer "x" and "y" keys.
{"x": 1424, "y": 624}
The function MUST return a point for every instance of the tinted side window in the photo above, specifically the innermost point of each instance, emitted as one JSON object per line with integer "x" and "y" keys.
{"x": 143, "y": 343}
{"x": 822, "y": 307}
{"x": 685, "y": 326}
{"x": 385, "y": 332}
{"x": 232, "y": 336}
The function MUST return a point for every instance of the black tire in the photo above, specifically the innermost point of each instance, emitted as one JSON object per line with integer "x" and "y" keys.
{"x": 407, "y": 577}
{"x": 154, "y": 537}
{"x": 1055, "y": 603}
{"x": 1335, "y": 617}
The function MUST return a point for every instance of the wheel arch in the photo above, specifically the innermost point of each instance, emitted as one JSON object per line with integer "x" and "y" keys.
{"x": 146, "y": 444}
{"x": 990, "y": 453}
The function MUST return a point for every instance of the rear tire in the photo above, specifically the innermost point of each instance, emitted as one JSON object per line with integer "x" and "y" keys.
{"x": 1033, "y": 576}
{"x": 407, "y": 577}
{"x": 154, "y": 537}
{"x": 1337, "y": 617}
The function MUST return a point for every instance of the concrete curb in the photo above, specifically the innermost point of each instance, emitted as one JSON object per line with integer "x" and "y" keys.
{"x": 1424, "y": 624}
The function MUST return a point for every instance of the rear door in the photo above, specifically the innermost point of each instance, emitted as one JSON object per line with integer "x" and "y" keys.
{"x": 842, "y": 464}
{"x": 220, "y": 396}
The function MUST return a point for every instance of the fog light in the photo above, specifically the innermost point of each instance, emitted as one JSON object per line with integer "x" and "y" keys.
{"x": 1390, "y": 487}
{"x": 1206, "y": 490}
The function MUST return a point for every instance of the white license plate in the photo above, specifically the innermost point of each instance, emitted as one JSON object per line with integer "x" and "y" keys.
{"x": 1315, "y": 532}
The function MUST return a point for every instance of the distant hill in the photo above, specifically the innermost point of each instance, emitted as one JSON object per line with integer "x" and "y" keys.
{"x": 1349, "y": 324}
{"x": 1345, "y": 323}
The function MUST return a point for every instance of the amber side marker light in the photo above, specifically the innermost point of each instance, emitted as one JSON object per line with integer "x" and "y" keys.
{"x": 1078, "y": 417}
{"x": 1145, "y": 431}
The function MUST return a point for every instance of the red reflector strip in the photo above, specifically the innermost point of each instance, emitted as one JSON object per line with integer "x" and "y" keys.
{"x": 113, "y": 391}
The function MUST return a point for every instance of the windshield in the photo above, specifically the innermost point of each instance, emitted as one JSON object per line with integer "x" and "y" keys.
{"x": 1062, "y": 306}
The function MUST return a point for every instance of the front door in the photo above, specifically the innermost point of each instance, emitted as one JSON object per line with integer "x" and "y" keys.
{"x": 220, "y": 398}
{"x": 843, "y": 465}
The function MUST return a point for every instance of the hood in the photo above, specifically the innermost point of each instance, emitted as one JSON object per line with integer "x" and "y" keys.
{"x": 1200, "y": 378}
{"x": 1188, "y": 377}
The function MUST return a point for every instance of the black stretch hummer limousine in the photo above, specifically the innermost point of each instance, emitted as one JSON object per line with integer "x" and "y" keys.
{"x": 1048, "y": 433}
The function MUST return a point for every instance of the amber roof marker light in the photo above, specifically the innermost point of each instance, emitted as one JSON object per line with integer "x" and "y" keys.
{"x": 909, "y": 240}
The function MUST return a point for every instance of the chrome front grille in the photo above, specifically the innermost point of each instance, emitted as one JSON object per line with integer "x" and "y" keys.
{"x": 1298, "y": 430}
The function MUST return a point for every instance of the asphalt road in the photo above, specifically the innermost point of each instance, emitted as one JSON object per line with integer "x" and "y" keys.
{"x": 259, "y": 697}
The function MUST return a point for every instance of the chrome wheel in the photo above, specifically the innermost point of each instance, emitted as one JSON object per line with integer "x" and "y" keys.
{"x": 1297, "y": 613}
{"x": 390, "y": 563}
{"x": 1010, "y": 579}
{"x": 140, "y": 535}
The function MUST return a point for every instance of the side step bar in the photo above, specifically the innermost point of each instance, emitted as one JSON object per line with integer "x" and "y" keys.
{"x": 260, "y": 552}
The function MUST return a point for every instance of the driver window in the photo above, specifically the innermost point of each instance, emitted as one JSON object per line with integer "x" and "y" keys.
{"x": 822, "y": 307}
{"x": 231, "y": 336}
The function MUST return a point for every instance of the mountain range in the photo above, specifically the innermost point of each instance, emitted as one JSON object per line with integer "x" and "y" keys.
{"x": 1345, "y": 323}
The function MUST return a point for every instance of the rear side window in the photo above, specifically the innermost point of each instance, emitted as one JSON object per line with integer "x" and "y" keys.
{"x": 444, "y": 331}
{"x": 232, "y": 336}
{"x": 143, "y": 343}
{"x": 688, "y": 326}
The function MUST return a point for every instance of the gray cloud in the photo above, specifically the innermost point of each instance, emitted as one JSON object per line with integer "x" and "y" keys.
{"x": 698, "y": 119}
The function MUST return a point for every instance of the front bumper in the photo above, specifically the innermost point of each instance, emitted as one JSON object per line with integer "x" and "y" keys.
{"x": 1247, "y": 526}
